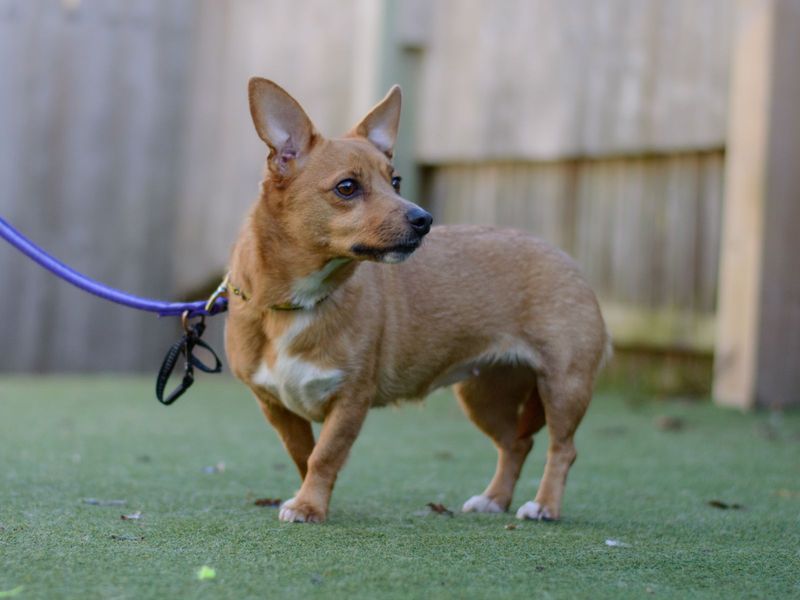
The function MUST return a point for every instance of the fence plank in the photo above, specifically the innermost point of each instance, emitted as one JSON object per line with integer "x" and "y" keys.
{"x": 758, "y": 345}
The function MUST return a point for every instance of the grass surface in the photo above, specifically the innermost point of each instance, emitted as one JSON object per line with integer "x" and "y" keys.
{"x": 65, "y": 440}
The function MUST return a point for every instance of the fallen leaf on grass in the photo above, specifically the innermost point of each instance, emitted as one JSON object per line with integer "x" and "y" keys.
{"x": 205, "y": 572}
{"x": 724, "y": 505}
{"x": 132, "y": 517}
{"x": 126, "y": 537}
{"x": 616, "y": 544}
{"x": 13, "y": 592}
{"x": 96, "y": 502}
{"x": 268, "y": 502}
{"x": 439, "y": 509}
{"x": 667, "y": 423}
{"x": 217, "y": 468}
{"x": 511, "y": 526}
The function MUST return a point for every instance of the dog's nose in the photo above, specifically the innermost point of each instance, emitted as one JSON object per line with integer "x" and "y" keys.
{"x": 420, "y": 220}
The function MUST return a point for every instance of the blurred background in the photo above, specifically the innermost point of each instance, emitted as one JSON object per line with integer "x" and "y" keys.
{"x": 657, "y": 141}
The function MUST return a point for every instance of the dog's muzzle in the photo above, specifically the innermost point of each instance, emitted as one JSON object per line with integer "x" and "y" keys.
{"x": 420, "y": 224}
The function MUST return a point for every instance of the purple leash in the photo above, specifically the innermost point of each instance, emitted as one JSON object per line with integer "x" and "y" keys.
{"x": 70, "y": 275}
{"x": 187, "y": 310}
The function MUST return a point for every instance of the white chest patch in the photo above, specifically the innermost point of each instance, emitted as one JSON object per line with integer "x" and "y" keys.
{"x": 302, "y": 387}
{"x": 311, "y": 289}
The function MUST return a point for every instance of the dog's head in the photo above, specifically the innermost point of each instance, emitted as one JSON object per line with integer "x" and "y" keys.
{"x": 340, "y": 197}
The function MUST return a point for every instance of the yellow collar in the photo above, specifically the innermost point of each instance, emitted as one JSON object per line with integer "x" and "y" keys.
{"x": 226, "y": 288}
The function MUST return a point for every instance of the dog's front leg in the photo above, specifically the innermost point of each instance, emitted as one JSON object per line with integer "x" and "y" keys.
{"x": 339, "y": 431}
{"x": 295, "y": 432}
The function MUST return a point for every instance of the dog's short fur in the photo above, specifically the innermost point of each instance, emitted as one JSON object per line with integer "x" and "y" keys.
{"x": 323, "y": 331}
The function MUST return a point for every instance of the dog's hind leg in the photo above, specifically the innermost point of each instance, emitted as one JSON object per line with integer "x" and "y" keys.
{"x": 565, "y": 399}
{"x": 504, "y": 403}
{"x": 294, "y": 431}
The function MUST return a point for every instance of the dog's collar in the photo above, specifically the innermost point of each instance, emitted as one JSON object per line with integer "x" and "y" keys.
{"x": 226, "y": 288}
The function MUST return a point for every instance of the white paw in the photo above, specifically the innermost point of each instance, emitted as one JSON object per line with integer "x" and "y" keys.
{"x": 534, "y": 512}
{"x": 290, "y": 513}
{"x": 482, "y": 504}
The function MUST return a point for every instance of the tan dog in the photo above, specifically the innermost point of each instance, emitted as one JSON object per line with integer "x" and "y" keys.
{"x": 321, "y": 330}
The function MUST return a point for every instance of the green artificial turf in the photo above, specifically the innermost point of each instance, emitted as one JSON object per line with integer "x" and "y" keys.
{"x": 63, "y": 440}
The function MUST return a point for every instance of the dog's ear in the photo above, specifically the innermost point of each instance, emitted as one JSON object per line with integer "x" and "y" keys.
{"x": 381, "y": 123}
{"x": 282, "y": 123}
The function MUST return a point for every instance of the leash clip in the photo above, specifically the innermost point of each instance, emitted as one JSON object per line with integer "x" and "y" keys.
{"x": 185, "y": 346}
{"x": 222, "y": 290}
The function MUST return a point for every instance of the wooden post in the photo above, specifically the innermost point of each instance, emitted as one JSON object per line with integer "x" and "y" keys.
{"x": 758, "y": 338}
{"x": 390, "y": 52}
{"x": 405, "y": 29}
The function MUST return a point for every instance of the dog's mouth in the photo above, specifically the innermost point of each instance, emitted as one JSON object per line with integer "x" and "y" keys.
{"x": 388, "y": 254}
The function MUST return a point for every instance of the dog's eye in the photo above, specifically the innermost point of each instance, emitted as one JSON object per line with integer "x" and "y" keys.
{"x": 346, "y": 188}
{"x": 396, "y": 183}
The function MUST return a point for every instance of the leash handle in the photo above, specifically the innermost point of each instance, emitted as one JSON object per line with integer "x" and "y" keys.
{"x": 170, "y": 360}
{"x": 185, "y": 347}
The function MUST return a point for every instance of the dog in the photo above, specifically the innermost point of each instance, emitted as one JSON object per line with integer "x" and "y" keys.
{"x": 343, "y": 298}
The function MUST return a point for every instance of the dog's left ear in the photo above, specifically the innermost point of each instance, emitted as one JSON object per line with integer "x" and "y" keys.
{"x": 283, "y": 125}
{"x": 381, "y": 123}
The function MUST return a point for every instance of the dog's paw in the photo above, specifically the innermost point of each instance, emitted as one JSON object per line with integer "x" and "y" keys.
{"x": 482, "y": 504}
{"x": 535, "y": 512}
{"x": 295, "y": 511}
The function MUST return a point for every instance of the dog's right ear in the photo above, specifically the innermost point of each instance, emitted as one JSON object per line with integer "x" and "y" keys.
{"x": 281, "y": 122}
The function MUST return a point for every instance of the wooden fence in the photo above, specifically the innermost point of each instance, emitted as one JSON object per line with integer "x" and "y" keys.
{"x": 127, "y": 150}
{"x": 645, "y": 231}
